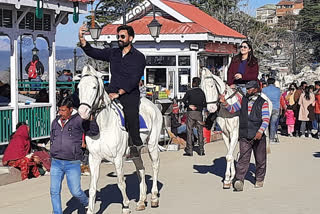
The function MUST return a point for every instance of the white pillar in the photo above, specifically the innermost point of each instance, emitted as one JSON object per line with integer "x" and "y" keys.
{"x": 14, "y": 80}
{"x": 194, "y": 65}
{"x": 52, "y": 79}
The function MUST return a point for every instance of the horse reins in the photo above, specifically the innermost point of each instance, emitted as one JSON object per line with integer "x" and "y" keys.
{"x": 99, "y": 109}
{"x": 217, "y": 101}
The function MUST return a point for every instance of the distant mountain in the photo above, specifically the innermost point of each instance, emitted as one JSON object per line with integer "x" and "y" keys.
{"x": 64, "y": 58}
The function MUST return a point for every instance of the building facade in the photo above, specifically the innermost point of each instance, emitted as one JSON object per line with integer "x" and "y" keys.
{"x": 189, "y": 39}
{"x": 267, "y": 14}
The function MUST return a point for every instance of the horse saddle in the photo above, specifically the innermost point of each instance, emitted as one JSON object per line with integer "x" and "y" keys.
{"x": 118, "y": 109}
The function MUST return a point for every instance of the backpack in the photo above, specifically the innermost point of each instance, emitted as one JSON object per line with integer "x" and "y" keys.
{"x": 32, "y": 70}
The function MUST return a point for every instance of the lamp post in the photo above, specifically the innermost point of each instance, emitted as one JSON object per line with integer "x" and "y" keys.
{"x": 21, "y": 79}
{"x": 294, "y": 57}
{"x": 74, "y": 61}
{"x": 278, "y": 49}
{"x": 95, "y": 30}
{"x": 35, "y": 51}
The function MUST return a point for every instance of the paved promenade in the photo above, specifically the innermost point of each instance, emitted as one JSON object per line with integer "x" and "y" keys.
{"x": 191, "y": 185}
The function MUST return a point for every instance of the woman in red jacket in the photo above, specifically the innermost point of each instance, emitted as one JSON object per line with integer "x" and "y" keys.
{"x": 243, "y": 68}
{"x": 17, "y": 154}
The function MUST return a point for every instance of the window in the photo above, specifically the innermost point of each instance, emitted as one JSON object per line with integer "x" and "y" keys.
{"x": 184, "y": 79}
{"x": 6, "y": 18}
{"x": 161, "y": 60}
{"x": 157, "y": 76}
{"x": 184, "y": 60}
{"x": 32, "y": 23}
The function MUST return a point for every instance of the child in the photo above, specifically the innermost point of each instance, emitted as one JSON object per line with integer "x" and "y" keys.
{"x": 290, "y": 119}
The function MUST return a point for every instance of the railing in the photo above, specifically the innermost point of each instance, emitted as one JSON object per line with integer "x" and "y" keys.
{"x": 37, "y": 116}
{"x": 5, "y": 124}
{"x": 36, "y": 86}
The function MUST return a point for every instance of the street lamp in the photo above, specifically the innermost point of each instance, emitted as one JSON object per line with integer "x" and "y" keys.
{"x": 278, "y": 50}
{"x": 35, "y": 51}
{"x": 154, "y": 26}
{"x": 95, "y": 30}
{"x": 311, "y": 51}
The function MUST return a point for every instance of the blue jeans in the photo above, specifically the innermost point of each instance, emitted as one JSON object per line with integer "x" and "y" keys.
{"x": 273, "y": 123}
{"x": 71, "y": 169}
{"x": 183, "y": 129}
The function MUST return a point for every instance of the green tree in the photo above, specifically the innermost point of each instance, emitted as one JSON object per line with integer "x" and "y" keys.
{"x": 309, "y": 18}
{"x": 112, "y": 10}
{"x": 220, "y": 9}
{"x": 309, "y": 21}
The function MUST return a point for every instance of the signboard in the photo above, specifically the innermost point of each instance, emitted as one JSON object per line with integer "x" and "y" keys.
{"x": 221, "y": 48}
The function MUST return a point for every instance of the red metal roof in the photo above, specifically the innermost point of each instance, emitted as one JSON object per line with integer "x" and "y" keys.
{"x": 83, "y": 1}
{"x": 198, "y": 16}
{"x": 287, "y": 3}
{"x": 168, "y": 27}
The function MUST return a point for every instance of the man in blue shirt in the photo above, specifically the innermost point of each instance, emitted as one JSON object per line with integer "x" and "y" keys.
{"x": 127, "y": 67}
{"x": 273, "y": 93}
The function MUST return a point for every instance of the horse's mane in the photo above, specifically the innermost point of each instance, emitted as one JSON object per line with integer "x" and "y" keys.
{"x": 221, "y": 86}
{"x": 89, "y": 70}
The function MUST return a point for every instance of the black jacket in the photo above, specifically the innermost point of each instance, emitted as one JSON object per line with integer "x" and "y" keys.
{"x": 196, "y": 97}
{"x": 126, "y": 71}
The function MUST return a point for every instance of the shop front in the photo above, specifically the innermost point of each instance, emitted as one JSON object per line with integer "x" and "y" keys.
{"x": 189, "y": 39}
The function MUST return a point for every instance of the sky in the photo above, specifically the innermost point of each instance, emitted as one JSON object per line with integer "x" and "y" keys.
{"x": 67, "y": 35}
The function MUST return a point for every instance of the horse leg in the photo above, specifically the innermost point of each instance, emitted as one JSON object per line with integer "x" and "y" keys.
{"x": 142, "y": 183}
{"x": 225, "y": 136}
{"x": 118, "y": 163}
{"x": 227, "y": 181}
{"x": 234, "y": 136}
{"x": 94, "y": 164}
{"x": 154, "y": 155}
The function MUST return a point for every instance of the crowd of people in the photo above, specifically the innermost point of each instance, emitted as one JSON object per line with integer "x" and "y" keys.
{"x": 299, "y": 110}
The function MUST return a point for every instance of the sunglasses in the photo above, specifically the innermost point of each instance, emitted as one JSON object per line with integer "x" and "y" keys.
{"x": 121, "y": 36}
{"x": 244, "y": 47}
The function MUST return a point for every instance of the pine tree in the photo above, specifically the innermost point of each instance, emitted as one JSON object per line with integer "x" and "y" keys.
{"x": 309, "y": 18}
{"x": 309, "y": 21}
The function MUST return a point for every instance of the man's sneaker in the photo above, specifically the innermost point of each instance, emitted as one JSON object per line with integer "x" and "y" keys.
{"x": 274, "y": 142}
{"x": 238, "y": 186}
{"x": 258, "y": 184}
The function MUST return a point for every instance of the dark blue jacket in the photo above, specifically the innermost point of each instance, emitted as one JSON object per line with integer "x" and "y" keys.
{"x": 126, "y": 71}
{"x": 66, "y": 141}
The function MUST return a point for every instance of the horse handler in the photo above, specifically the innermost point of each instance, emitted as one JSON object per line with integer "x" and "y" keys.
{"x": 65, "y": 149}
{"x": 127, "y": 67}
{"x": 254, "y": 119}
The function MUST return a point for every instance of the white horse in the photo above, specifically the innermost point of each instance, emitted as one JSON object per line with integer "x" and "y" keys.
{"x": 213, "y": 86}
{"x": 112, "y": 142}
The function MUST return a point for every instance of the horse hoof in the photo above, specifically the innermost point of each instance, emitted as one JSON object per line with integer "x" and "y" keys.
{"x": 226, "y": 186}
{"x": 140, "y": 207}
{"x": 154, "y": 204}
{"x": 126, "y": 211}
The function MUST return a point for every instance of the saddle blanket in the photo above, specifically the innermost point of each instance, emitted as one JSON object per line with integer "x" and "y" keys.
{"x": 143, "y": 125}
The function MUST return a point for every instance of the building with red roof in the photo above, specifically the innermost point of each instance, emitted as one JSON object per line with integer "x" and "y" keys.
{"x": 189, "y": 39}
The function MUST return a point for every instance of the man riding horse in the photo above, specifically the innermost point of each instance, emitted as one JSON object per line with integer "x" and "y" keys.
{"x": 127, "y": 67}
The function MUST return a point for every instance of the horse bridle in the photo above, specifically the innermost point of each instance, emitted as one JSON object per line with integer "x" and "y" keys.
{"x": 217, "y": 101}
{"x": 102, "y": 106}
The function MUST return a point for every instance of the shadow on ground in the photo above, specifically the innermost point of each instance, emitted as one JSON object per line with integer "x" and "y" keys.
{"x": 219, "y": 166}
{"x": 316, "y": 154}
{"x": 111, "y": 194}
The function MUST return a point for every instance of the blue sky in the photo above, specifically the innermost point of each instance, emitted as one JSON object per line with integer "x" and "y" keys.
{"x": 67, "y": 35}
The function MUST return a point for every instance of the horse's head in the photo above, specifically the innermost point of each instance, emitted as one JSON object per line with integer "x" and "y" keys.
{"x": 91, "y": 92}
{"x": 210, "y": 89}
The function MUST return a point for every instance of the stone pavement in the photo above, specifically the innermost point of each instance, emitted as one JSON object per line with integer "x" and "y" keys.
{"x": 193, "y": 185}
